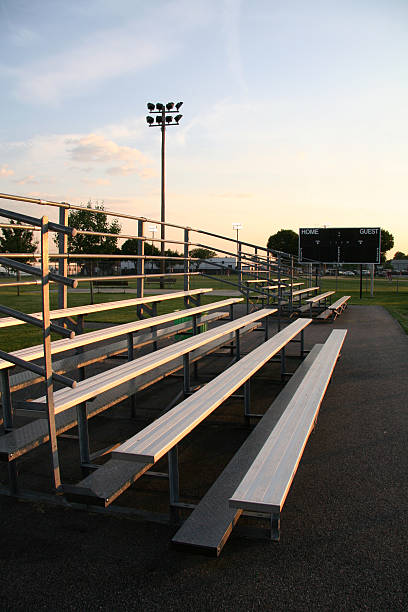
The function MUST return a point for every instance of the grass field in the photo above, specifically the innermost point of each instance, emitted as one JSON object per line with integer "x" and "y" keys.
{"x": 393, "y": 295}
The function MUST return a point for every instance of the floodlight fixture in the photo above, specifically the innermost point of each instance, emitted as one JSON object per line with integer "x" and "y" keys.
{"x": 150, "y": 106}
{"x": 159, "y": 119}
{"x": 150, "y": 120}
{"x": 159, "y": 106}
{"x": 178, "y": 105}
{"x": 169, "y": 118}
{"x": 177, "y": 118}
{"x": 169, "y": 105}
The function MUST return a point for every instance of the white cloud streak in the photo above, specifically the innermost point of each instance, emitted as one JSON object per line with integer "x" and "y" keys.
{"x": 232, "y": 14}
{"x": 81, "y": 65}
{"x": 96, "y": 148}
{"x": 6, "y": 171}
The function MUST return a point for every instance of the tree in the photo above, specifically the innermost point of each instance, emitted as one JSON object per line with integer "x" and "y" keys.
{"x": 202, "y": 253}
{"x": 17, "y": 240}
{"x": 387, "y": 242}
{"x": 400, "y": 255}
{"x": 285, "y": 240}
{"x": 81, "y": 244}
{"x": 129, "y": 247}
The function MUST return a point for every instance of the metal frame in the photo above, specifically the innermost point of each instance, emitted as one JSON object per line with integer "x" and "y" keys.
{"x": 263, "y": 263}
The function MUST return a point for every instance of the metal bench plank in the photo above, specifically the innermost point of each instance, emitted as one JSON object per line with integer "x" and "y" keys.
{"x": 26, "y": 438}
{"x": 105, "y": 485}
{"x": 211, "y": 522}
{"x": 26, "y": 378}
{"x": 66, "y": 344}
{"x": 318, "y": 298}
{"x": 158, "y": 438}
{"x": 340, "y": 302}
{"x": 93, "y": 308}
{"x": 267, "y": 482}
{"x": 303, "y": 291}
{"x": 65, "y": 398}
{"x": 118, "y": 481}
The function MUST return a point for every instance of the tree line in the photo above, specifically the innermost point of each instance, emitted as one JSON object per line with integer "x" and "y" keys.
{"x": 93, "y": 219}
{"x": 90, "y": 219}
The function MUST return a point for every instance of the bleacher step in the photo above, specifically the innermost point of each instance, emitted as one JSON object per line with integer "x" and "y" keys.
{"x": 211, "y": 522}
{"x": 28, "y": 437}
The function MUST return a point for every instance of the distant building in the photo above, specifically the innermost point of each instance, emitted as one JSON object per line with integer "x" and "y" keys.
{"x": 399, "y": 265}
{"x": 128, "y": 266}
{"x": 217, "y": 264}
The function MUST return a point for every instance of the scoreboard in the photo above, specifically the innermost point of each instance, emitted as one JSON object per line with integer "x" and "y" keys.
{"x": 340, "y": 245}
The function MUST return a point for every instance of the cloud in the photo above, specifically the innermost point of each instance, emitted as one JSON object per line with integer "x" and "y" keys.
{"x": 6, "y": 171}
{"x": 232, "y": 195}
{"x": 27, "y": 180}
{"x": 109, "y": 54}
{"x": 22, "y": 37}
{"x": 81, "y": 59}
{"x": 129, "y": 169}
{"x": 97, "y": 181}
{"x": 97, "y": 148}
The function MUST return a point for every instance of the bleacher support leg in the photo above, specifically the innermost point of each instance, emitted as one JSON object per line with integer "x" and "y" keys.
{"x": 83, "y": 434}
{"x": 79, "y": 328}
{"x": 12, "y": 475}
{"x": 283, "y": 363}
{"x": 186, "y": 374}
{"x": 247, "y": 400}
{"x": 237, "y": 345}
{"x": 131, "y": 356}
{"x": 275, "y": 526}
{"x": 174, "y": 482}
{"x": 6, "y": 400}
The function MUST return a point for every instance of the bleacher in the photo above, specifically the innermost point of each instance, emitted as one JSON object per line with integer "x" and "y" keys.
{"x": 94, "y": 378}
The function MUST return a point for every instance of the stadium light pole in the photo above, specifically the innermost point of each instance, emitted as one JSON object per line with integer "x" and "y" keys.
{"x": 165, "y": 115}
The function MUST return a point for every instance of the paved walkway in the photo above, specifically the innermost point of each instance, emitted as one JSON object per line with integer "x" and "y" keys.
{"x": 344, "y": 526}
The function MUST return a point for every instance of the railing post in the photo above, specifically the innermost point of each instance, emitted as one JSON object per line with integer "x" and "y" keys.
{"x": 279, "y": 293}
{"x": 291, "y": 284}
{"x": 140, "y": 265}
{"x": 47, "y": 353}
{"x": 63, "y": 261}
{"x": 186, "y": 266}
{"x": 239, "y": 265}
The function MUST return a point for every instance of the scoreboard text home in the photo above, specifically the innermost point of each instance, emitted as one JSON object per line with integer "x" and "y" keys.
{"x": 340, "y": 245}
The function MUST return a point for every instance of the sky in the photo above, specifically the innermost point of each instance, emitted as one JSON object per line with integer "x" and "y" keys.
{"x": 294, "y": 112}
